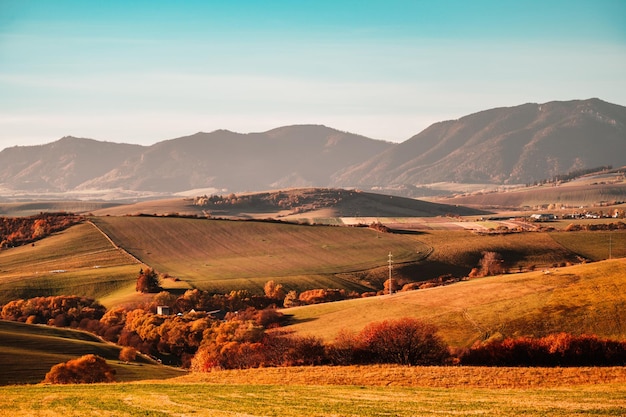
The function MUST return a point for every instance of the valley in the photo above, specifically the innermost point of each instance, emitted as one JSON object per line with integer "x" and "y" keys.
{"x": 524, "y": 254}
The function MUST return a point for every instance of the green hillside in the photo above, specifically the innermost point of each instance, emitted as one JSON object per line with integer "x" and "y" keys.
{"x": 222, "y": 255}
{"x": 27, "y": 352}
{"x": 77, "y": 261}
{"x": 586, "y": 298}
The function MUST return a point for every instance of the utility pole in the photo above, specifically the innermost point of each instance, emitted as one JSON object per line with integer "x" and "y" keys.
{"x": 390, "y": 270}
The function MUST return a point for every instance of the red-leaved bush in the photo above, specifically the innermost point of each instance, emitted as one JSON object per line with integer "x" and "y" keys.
{"x": 405, "y": 341}
{"x": 560, "y": 349}
{"x": 87, "y": 369}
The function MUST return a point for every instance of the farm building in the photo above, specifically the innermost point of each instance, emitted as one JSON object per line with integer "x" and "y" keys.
{"x": 163, "y": 310}
{"x": 543, "y": 217}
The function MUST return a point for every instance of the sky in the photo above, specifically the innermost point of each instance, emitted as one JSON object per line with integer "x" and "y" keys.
{"x": 145, "y": 71}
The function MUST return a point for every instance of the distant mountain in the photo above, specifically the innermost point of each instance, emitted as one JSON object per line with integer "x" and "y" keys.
{"x": 510, "y": 145}
{"x": 62, "y": 165}
{"x": 292, "y": 156}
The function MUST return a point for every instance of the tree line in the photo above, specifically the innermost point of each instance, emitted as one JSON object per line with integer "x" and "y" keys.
{"x": 254, "y": 338}
{"x": 16, "y": 231}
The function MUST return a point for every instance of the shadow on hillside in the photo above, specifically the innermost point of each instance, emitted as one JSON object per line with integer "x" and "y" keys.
{"x": 288, "y": 319}
{"x": 427, "y": 270}
{"x": 406, "y": 232}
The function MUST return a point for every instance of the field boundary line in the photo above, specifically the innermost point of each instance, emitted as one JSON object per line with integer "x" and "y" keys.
{"x": 130, "y": 255}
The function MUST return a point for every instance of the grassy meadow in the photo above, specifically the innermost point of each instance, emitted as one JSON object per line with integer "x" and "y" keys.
{"x": 457, "y": 251}
{"x": 27, "y": 352}
{"x": 77, "y": 261}
{"x": 586, "y": 298}
{"x": 596, "y": 245}
{"x": 31, "y": 208}
{"x": 222, "y": 255}
{"x": 226, "y": 255}
{"x": 349, "y": 391}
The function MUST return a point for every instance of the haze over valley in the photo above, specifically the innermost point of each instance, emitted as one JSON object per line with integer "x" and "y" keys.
{"x": 518, "y": 145}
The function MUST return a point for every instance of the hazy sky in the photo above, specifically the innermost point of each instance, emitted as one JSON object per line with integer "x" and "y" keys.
{"x": 145, "y": 71}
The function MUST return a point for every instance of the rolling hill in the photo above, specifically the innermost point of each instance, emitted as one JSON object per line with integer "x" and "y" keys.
{"x": 581, "y": 299}
{"x": 223, "y": 255}
{"x": 40, "y": 347}
{"x": 589, "y": 192}
{"x": 79, "y": 260}
{"x": 312, "y": 205}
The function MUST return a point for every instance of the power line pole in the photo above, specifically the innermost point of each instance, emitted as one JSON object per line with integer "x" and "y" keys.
{"x": 390, "y": 271}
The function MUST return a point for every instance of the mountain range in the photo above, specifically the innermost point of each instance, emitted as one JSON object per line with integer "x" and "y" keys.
{"x": 508, "y": 145}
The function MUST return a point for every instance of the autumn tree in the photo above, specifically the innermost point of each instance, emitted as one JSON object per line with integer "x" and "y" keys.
{"x": 128, "y": 354}
{"x": 291, "y": 299}
{"x": 390, "y": 282}
{"x": 148, "y": 281}
{"x": 405, "y": 341}
{"x": 560, "y": 349}
{"x": 274, "y": 290}
{"x": 87, "y": 369}
{"x": 490, "y": 264}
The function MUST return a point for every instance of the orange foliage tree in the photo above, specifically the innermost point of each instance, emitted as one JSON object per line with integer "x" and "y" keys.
{"x": 128, "y": 354}
{"x": 490, "y": 264}
{"x": 62, "y": 310}
{"x": 561, "y": 349}
{"x": 148, "y": 281}
{"x": 87, "y": 369}
{"x": 16, "y": 231}
{"x": 405, "y": 341}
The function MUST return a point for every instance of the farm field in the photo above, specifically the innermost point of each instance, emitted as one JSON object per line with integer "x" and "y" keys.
{"x": 77, "y": 261}
{"x": 27, "y": 352}
{"x": 596, "y": 245}
{"x": 584, "y": 298}
{"x": 30, "y": 208}
{"x": 603, "y": 393}
{"x": 460, "y": 250}
{"x": 222, "y": 255}
{"x": 579, "y": 193}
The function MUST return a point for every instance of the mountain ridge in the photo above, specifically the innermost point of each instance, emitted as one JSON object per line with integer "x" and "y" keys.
{"x": 518, "y": 144}
{"x": 504, "y": 145}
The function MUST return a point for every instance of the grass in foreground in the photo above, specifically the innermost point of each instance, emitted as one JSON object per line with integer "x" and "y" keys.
{"x": 285, "y": 398}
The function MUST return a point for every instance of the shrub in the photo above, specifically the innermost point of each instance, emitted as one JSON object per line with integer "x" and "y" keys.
{"x": 405, "y": 341}
{"x": 490, "y": 264}
{"x": 274, "y": 291}
{"x": 62, "y": 310}
{"x": 128, "y": 354}
{"x": 87, "y": 369}
{"x": 148, "y": 281}
{"x": 560, "y": 349}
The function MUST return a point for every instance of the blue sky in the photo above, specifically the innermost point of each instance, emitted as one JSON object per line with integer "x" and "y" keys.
{"x": 145, "y": 71}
